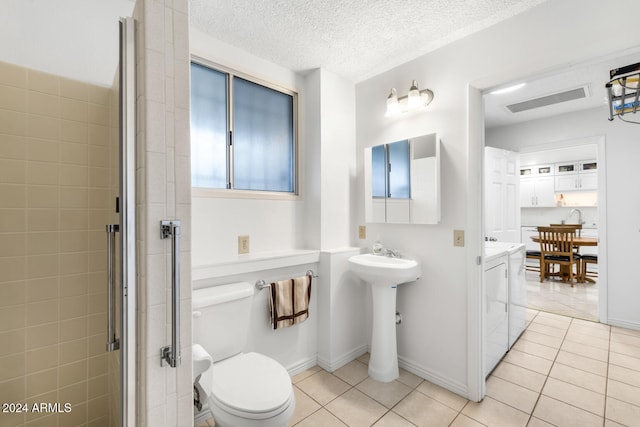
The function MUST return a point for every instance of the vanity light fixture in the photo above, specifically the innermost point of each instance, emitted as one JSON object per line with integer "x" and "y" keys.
{"x": 414, "y": 100}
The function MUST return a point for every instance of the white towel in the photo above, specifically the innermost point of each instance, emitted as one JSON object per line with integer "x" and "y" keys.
{"x": 289, "y": 301}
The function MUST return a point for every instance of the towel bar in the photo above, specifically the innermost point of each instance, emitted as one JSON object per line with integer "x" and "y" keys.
{"x": 261, "y": 284}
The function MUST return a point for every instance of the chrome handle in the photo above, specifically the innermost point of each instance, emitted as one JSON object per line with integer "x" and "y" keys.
{"x": 113, "y": 343}
{"x": 171, "y": 354}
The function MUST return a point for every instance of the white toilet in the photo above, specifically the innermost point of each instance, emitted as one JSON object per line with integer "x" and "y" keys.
{"x": 239, "y": 389}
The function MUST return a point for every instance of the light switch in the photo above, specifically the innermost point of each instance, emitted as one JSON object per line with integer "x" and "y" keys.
{"x": 458, "y": 238}
{"x": 362, "y": 232}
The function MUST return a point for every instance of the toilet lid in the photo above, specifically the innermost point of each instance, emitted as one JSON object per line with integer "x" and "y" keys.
{"x": 251, "y": 382}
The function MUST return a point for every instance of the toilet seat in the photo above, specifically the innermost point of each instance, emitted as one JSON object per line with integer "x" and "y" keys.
{"x": 251, "y": 385}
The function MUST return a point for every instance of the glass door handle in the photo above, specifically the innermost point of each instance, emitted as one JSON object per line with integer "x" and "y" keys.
{"x": 113, "y": 343}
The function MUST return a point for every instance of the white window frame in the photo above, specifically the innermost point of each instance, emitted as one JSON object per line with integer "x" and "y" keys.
{"x": 252, "y": 194}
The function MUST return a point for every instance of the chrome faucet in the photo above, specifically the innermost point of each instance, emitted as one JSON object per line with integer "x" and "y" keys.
{"x": 392, "y": 253}
{"x": 579, "y": 215}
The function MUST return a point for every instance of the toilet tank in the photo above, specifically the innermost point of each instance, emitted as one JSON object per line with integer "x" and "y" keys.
{"x": 221, "y": 318}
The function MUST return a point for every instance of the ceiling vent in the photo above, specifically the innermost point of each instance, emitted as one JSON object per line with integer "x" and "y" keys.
{"x": 545, "y": 101}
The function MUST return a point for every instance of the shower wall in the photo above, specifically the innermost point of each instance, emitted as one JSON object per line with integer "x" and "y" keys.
{"x": 55, "y": 199}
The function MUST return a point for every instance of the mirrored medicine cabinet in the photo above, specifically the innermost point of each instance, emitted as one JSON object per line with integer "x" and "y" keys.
{"x": 402, "y": 181}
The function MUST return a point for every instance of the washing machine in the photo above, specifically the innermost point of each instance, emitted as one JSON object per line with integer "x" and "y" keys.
{"x": 517, "y": 286}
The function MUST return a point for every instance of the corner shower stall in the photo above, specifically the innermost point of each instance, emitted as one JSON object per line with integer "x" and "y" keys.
{"x": 66, "y": 171}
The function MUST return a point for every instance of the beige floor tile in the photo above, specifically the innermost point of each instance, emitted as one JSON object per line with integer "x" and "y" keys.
{"x": 353, "y": 372}
{"x": 618, "y": 330}
{"x": 584, "y": 379}
{"x": 391, "y": 419}
{"x": 389, "y": 394}
{"x": 591, "y": 331}
{"x": 541, "y": 339}
{"x": 356, "y": 409}
{"x": 305, "y": 406}
{"x": 629, "y": 350}
{"x": 547, "y": 330}
{"x": 305, "y": 374}
{"x": 625, "y": 392}
{"x": 529, "y": 361}
{"x": 493, "y": 413}
{"x": 512, "y": 394}
{"x": 424, "y": 411}
{"x": 624, "y": 375}
{"x": 464, "y": 421}
{"x": 323, "y": 387}
{"x": 585, "y": 363}
{"x": 536, "y": 349}
{"x": 609, "y": 423}
{"x": 626, "y": 339}
{"x": 321, "y": 418}
{"x": 625, "y": 361}
{"x": 562, "y": 414}
{"x": 442, "y": 395}
{"x": 519, "y": 375}
{"x": 559, "y": 317}
{"x": 587, "y": 339}
{"x": 575, "y": 396}
{"x": 202, "y": 424}
{"x": 536, "y": 422}
{"x": 556, "y": 322}
{"x": 591, "y": 324}
{"x": 409, "y": 379}
{"x": 585, "y": 350}
{"x": 623, "y": 413}
{"x": 365, "y": 358}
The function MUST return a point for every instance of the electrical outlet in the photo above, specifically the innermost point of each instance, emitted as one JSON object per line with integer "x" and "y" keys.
{"x": 458, "y": 238}
{"x": 243, "y": 245}
{"x": 362, "y": 232}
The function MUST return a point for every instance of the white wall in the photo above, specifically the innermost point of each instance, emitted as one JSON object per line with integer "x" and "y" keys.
{"x": 623, "y": 222}
{"x": 433, "y": 337}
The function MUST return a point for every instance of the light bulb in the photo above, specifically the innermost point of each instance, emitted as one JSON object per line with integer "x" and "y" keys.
{"x": 393, "y": 107}
{"x": 413, "y": 98}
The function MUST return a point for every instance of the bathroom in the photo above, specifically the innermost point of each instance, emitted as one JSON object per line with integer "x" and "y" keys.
{"x": 438, "y": 339}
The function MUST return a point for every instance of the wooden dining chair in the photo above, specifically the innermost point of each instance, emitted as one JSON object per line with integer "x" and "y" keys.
{"x": 587, "y": 276}
{"x": 556, "y": 247}
{"x": 578, "y": 229}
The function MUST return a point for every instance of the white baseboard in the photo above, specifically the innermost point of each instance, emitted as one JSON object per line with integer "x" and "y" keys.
{"x": 431, "y": 376}
{"x": 624, "y": 324}
{"x": 302, "y": 365}
{"x": 339, "y": 362}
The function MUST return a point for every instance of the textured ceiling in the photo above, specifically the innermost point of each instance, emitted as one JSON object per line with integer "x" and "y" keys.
{"x": 356, "y": 39}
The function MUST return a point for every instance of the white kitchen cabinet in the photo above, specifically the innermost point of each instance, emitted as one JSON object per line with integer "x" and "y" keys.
{"x": 576, "y": 182}
{"x": 537, "y": 191}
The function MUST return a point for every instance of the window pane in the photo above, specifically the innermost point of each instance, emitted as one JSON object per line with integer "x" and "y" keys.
{"x": 263, "y": 144}
{"x": 208, "y": 127}
{"x": 399, "y": 175}
{"x": 378, "y": 171}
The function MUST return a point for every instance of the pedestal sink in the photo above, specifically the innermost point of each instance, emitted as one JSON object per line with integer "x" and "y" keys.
{"x": 384, "y": 274}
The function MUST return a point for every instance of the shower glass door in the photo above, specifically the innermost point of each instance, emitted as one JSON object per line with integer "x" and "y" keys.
{"x": 60, "y": 174}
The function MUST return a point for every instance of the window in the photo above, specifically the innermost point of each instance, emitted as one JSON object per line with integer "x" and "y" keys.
{"x": 243, "y": 134}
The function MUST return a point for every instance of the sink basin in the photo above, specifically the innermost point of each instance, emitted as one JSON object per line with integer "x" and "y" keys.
{"x": 383, "y": 270}
{"x": 384, "y": 274}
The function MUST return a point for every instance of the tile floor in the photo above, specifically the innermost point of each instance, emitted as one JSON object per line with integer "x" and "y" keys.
{"x": 562, "y": 372}
{"x": 554, "y": 296}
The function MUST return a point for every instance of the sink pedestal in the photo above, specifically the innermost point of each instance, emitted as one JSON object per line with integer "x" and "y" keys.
{"x": 380, "y": 271}
{"x": 383, "y": 363}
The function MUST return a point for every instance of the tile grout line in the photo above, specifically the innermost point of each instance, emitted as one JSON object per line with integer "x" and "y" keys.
{"x": 548, "y": 373}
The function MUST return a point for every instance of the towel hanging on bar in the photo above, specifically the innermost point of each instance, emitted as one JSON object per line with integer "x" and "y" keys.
{"x": 289, "y": 301}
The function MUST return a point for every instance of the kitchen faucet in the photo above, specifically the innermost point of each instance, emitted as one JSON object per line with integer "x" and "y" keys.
{"x": 579, "y": 215}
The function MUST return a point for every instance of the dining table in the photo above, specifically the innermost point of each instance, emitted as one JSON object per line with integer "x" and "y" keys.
{"x": 578, "y": 241}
